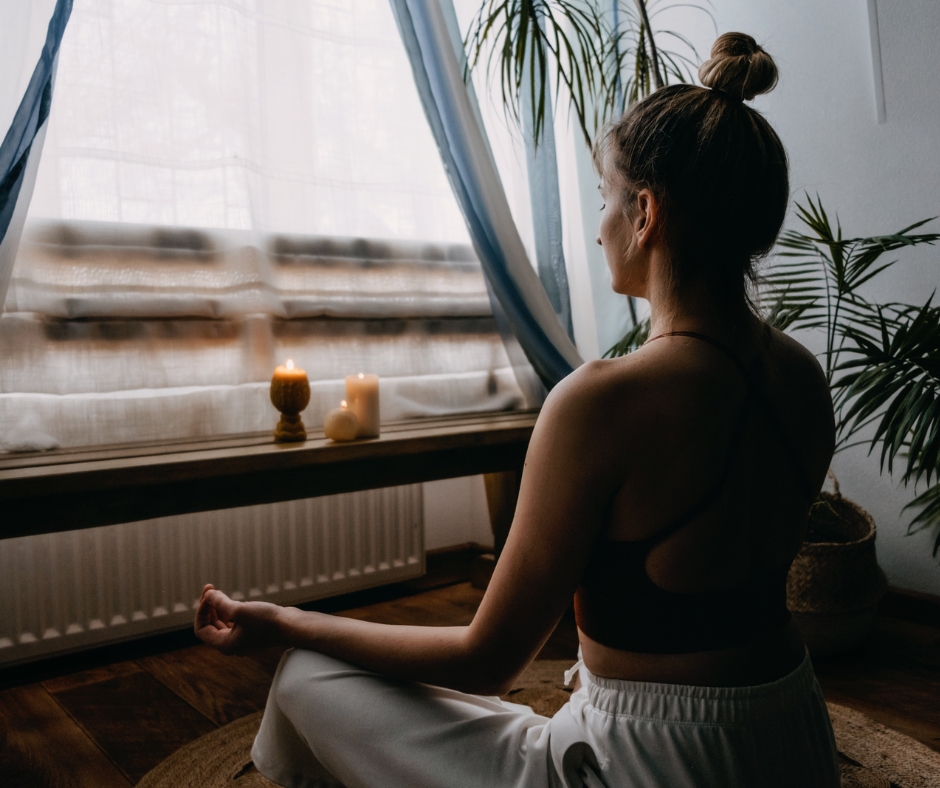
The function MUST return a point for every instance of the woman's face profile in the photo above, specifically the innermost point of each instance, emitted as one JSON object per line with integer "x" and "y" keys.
{"x": 615, "y": 237}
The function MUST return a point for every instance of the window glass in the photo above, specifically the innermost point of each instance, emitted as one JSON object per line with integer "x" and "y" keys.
{"x": 297, "y": 117}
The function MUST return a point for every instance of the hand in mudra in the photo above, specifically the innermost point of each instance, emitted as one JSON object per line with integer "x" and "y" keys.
{"x": 236, "y": 627}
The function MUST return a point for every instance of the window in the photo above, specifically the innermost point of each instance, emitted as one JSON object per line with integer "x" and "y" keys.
{"x": 225, "y": 185}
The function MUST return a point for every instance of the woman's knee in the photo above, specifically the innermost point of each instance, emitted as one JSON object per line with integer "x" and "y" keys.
{"x": 292, "y": 674}
{"x": 302, "y": 674}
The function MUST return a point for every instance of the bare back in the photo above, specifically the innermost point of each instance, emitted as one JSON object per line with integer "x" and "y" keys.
{"x": 684, "y": 399}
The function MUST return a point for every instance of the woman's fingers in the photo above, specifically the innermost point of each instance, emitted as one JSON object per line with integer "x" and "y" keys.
{"x": 205, "y": 614}
{"x": 234, "y": 627}
{"x": 224, "y": 606}
{"x": 214, "y": 618}
{"x": 215, "y": 638}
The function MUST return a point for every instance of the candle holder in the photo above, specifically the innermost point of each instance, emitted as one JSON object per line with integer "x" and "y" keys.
{"x": 290, "y": 394}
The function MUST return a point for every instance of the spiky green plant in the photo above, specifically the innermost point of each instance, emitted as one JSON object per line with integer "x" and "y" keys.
{"x": 605, "y": 61}
{"x": 639, "y": 60}
{"x": 607, "y": 57}
{"x": 524, "y": 41}
{"x": 882, "y": 360}
{"x": 638, "y": 334}
{"x": 817, "y": 277}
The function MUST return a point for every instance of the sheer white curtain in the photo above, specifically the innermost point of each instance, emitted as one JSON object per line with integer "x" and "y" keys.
{"x": 206, "y": 165}
{"x": 295, "y": 117}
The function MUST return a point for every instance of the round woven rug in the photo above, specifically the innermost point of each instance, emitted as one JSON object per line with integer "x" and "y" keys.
{"x": 875, "y": 756}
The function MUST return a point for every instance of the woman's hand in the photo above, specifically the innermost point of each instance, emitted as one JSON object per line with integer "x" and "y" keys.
{"x": 236, "y": 627}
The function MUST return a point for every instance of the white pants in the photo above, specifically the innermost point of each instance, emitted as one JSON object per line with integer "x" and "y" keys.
{"x": 330, "y": 723}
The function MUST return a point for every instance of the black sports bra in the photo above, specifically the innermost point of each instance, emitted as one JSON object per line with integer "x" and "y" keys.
{"x": 618, "y": 605}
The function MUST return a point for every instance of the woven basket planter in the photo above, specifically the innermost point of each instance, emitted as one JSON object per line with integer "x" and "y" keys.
{"x": 835, "y": 583}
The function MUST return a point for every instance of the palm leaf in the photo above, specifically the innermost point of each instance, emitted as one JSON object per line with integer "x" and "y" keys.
{"x": 785, "y": 311}
{"x": 523, "y": 41}
{"x": 635, "y": 337}
{"x": 928, "y": 516}
{"x": 895, "y": 373}
{"x": 816, "y": 274}
{"x": 882, "y": 361}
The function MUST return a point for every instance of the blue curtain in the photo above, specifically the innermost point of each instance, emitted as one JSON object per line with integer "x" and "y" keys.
{"x": 455, "y": 122}
{"x": 18, "y": 141}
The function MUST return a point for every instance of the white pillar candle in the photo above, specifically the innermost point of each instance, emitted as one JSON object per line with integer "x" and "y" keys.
{"x": 341, "y": 424}
{"x": 362, "y": 394}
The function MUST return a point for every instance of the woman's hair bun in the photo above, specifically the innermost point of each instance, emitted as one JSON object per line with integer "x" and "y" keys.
{"x": 738, "y": 67}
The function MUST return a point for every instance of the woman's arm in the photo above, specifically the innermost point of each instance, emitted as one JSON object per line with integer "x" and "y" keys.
{"x": 573, "y": 466}
{"x": 428, "y": 654}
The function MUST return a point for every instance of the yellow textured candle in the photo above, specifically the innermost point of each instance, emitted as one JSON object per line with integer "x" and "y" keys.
{"x": 290, "y": 394}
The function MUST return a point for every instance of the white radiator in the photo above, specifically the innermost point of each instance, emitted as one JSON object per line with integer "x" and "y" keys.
{"x": 67, "y": 591}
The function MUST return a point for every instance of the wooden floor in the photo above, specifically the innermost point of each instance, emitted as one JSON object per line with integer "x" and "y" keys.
{"x": 100, "y": 722}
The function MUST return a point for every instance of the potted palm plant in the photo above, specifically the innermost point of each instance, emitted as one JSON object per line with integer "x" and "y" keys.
{"x": 883, "y": 366}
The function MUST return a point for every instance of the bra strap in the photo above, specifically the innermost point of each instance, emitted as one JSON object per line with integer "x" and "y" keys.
{"x": 712, "y": 495}
{"x": 769, "y": 412}
{"x": 753, "y": 388}
{"x": 732, "y": 356}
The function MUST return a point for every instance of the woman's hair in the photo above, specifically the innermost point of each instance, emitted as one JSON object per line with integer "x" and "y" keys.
{"x": 717, "y": 167}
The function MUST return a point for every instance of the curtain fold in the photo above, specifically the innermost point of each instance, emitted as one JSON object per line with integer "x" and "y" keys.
{"x": 451, "y": 114}
{"x": 22, "y": 144}
{"x": 542, "y": 167}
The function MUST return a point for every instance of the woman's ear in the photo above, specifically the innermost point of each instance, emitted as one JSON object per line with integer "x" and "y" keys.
{"x": 646, "y": 219}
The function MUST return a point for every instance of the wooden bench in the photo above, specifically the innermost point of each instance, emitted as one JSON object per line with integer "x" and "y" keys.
{"x": 63, "y": 490}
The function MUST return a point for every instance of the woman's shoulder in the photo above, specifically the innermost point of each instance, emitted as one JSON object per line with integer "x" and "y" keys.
{"x": 605, "y": 382}
{"x": 611, "y": 399}
{"x": 796, "y": 386}
{"x": 795, "y": 356}
{"x": 668, "y": 379}
{"x": 793, "y": 370}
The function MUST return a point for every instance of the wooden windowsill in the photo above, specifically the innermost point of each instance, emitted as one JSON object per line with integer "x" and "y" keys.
{"x": 66, "y": 489}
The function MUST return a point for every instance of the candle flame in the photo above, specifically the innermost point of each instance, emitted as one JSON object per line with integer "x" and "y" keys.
{"x": 361, "y": 375}
{"x": 290, "y": 364}
{"x": 343, "y": 404}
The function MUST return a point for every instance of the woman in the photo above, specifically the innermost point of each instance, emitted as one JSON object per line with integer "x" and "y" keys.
{"x": 668, "y": 490}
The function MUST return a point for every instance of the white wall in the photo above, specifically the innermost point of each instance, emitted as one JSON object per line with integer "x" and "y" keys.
{"x": 455, "y": 513}
{"x": 879, "y": 177}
